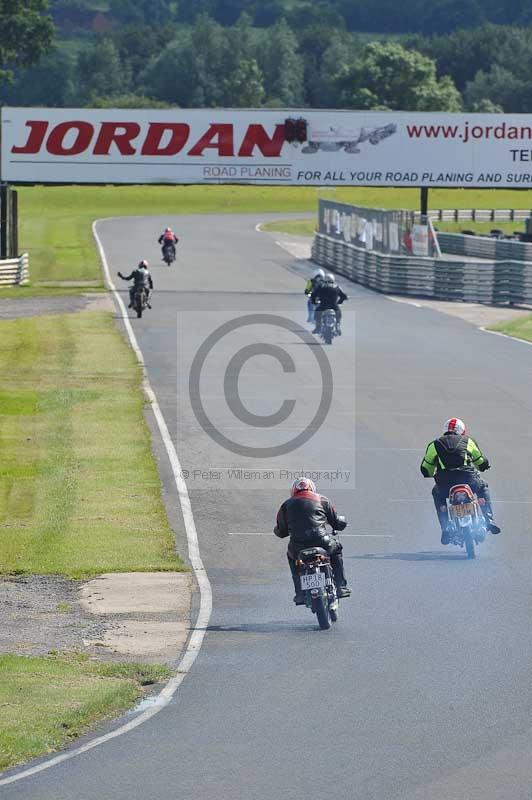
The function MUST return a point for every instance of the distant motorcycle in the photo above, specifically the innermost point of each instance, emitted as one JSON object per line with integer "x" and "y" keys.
{"x": 169, "y": 254}
{"x": 328, "y": 327}
{"x": 467, "y": 524}
{"x": 316, "y": 578}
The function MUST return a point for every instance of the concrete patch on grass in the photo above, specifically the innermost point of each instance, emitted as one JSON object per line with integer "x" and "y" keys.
{"x": 145, "y": 614}
{"x": 141, "y": 616}
{"x": 41, "y": 613}
{"x": 149, "y": 641}
{"x": 19, "y": 307}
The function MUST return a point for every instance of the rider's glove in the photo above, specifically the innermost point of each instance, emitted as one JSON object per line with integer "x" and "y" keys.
{"x": 484, "y": 466}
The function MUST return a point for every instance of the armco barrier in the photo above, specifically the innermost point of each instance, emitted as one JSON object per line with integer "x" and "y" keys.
{"x": 487, "y": 281}
{"x": 485, "y": 247}
{"x": 14, "y": 271}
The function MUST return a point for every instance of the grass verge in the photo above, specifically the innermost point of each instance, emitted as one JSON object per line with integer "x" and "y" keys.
{"x": 518, "y": 328}
{"x": 297, "y": 227}
{"x": 80, "y": 493}
{"x": 56, "y": 220}
{"x": 33, "y": 290}
{"x": 46, "y": 702}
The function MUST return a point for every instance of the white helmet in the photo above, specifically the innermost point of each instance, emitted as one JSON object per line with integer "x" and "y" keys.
{"x": 302, "y": 484}
{"x": 319, "y": 273}
{"x": 455, "y": 425}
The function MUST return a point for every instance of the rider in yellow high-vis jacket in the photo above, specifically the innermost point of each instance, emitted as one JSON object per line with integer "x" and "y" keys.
{"x": 312, "y": 284}
{"x": 456, "y": 458}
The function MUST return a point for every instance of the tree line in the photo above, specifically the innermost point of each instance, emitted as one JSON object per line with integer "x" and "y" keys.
{"x": 158, "y": 57}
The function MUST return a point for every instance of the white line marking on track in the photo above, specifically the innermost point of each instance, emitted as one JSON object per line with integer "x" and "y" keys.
{"x": 198, "y": 634}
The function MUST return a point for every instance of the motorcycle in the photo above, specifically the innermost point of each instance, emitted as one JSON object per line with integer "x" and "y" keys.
{"x": 140, "y": 300}
{"x": 316, "y": 578}
{"x": 168, "y": 254}
{"x": 467, "y": 524}
{"x": 328, "y": 328}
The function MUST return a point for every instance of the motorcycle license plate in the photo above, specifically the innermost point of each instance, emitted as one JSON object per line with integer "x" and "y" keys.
{"x": 464, "y": 522}
{"x": 316, "y": 580}
{"x": 463, "y": 510}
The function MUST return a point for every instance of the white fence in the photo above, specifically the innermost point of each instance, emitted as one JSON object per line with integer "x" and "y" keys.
{"x": 480, "y": 214}
{"x": 15, "y": 271}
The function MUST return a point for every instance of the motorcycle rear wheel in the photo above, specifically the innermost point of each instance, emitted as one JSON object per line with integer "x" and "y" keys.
{"x": 469, "y": 545}
{"x": 138, "y": 309}
{"x": 323, "y": 613}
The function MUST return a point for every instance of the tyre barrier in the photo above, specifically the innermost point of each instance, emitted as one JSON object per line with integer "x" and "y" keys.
{"x": 484, "y": 281}
{"x": 15, "y": 271}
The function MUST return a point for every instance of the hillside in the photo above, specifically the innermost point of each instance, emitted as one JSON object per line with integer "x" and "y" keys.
{"x": 440, "y": 55}
{"x": 377, "y": 16}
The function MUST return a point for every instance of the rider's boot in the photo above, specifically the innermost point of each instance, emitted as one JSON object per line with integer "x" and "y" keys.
{"x": 488, "y": 515}
{"x": 342, "y": 589}
{"x": 299, "y": 597}
{"x": 444, "y": 525}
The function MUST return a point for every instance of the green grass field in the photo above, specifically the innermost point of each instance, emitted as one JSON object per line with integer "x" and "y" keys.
{"x": 80, "y": 493}
{"x": 46, "y": 702}
{"x": 56, "y": 221}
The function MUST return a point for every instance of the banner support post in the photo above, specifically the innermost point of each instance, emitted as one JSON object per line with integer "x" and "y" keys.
{"x": 424, "y": 203}
{"x": 4, "y": 216}
{"x": 13, "y": 226}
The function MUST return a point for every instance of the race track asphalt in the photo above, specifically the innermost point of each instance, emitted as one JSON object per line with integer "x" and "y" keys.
{"x": 423, "y": 690}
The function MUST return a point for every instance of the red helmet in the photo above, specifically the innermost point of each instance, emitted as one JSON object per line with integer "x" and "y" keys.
{"x": 455, "y": 425}
{"x": 302, "y": 484}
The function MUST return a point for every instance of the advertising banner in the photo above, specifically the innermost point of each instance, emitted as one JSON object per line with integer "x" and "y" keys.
{"x": 342, "y": 148}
